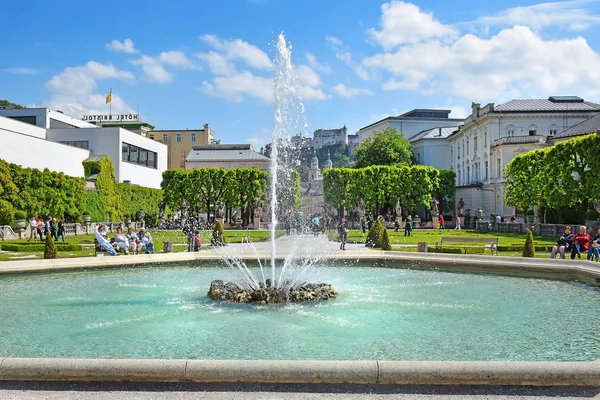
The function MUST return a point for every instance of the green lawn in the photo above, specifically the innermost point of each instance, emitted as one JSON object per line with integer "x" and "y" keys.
{"x": 159, "y": 237}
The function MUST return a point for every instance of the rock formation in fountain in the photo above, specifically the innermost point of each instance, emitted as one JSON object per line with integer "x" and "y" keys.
{"x": 233, "y": 293}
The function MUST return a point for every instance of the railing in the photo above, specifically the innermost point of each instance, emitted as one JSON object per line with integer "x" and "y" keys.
{"x": 519, "y": 140}
{"x": 71, "y": 229}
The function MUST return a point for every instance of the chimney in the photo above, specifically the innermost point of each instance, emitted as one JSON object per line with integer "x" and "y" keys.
{"x": 475, "y": 109}
{"x": 439, "y": 131}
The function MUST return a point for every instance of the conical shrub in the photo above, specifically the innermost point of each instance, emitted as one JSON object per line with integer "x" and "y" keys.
{"x": 50, "y": 247}
{"x": 218, "y": 235}
{"x": 375, "y": 235}
{"x": 529, "y": 248}
{"x": 385, "y": 240}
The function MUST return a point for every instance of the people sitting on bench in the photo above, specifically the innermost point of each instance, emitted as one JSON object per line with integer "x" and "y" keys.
{"x": 103, "y": 241}
{"x": 146, "y": 241}
{"x": 134, "y": 240}
{"x": 121, "y": 241}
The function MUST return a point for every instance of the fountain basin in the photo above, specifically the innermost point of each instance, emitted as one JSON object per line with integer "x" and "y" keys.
{"x": 307, "y": 292}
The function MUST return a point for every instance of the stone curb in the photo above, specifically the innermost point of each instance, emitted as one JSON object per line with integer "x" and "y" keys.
{"x": 306, "y": 372}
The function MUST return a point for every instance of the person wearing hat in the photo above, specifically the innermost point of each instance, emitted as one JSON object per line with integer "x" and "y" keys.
{"x": 146, "y": 241}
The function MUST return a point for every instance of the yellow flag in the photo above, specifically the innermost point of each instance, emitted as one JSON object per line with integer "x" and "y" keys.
{"x": 109, "y": 97}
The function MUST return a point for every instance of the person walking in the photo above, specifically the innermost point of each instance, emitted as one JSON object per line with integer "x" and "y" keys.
{"x": 61, "y": 229}
{"x": 442, "y": 222}
{"x": 32, "y": 228}
{"x": 408, "y": 226}
{"x": 40, "y": 223}
{"x": 343, "y": 232}
{"x": 457, "y": 223}
{"x": 396, "y": 225}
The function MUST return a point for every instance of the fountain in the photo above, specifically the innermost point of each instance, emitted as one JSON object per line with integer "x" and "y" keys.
{"x": 280, "y": 288}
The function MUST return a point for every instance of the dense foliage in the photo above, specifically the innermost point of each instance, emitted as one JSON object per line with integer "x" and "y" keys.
{"x": 136, "y": 198}
{"x": 559, "y": 177}
{"x": 218, "y": 235}
{"x": 375, "y": 235}
{"x": 106, "y": 185}
{"x": 529, "y": 247}
{"x": 38, "y": 192}
{"x": 50, "y": 247}
{"x": 386, "y": 147}
{"x": 381, "y": 186}
{"x": 446, "y": 193}
{"x": 385, "y": 241}
{"x": 204, "y": 189}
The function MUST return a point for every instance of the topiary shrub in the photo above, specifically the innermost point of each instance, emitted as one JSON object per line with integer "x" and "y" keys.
{"x": 218, "y": 235}
{"x": 20, "y": 215}
{"x": 50, "y": 247}
{"x": 385, "y": 240}
{"x": 529, "y": 248}
{"x": 375, "y": 234}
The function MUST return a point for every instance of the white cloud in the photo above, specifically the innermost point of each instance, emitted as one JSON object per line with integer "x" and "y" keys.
{"x": 347, "y": 92}
{"x": 154, "y": 71}
{"x": 306, "y": 76}
{"x": 515, "y": 62}
{"x": 217, "y": 63}
{"x": 237, "y": 87}
{"x": 404, "y": 23}
{"x": 311, "y": 93}
{"x": 333, "y": 40}
{"x": 312, "y": 60}
{"x": 122, "y": 47}
{"x": 258, "y": 142}
{"x": 22, "y": 71}
{"x": 176, "y": 59}
{"x": 238, "y": 49}
{"x": 73, "y": 89}
{"x": 566, "y": 14}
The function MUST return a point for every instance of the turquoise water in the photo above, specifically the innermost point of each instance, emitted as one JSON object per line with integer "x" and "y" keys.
{"x": 381, "y": 314}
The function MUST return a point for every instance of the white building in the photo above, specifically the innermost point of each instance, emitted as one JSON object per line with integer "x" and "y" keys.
{"x": 431, "y": 148}
{"x": 492, "y": 136}
{"x": 329, "y": 137}
{"x": 411, "y": 123}
{"x": 42, "y": 138}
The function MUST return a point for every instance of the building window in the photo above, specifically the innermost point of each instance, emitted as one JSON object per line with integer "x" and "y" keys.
{"x": 193, "y": 137}
{"x": 511, "y": 133}
{"x": 532, "y": 132}
{"x": 486, "y": 171}
{"x": 82, "y": 144}
{"x": 485, "y": 139}
{"x": 418, "y": 158}
{"x": 179, "y": 137}
{"x": 165, "y": 137}
{"x": 467, "y": 147}
{"x": 152, "y": 137}
{"x": 468, "y": 175}
{"x": 451, "y": 155}
{"x": 475, "y": 146}
{"x": 553, "y": 132}
{"x": 136, "y": 155}
{"x": 499, "y": 169}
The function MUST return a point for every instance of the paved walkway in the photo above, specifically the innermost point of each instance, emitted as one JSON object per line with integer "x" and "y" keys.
{"x": 94, "y": 391}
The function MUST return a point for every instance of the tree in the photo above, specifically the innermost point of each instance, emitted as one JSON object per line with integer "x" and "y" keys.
{"x": 337, "y": 188}
{"x": 387, "y": 147}
{"x": 529, "y": 248}
{"x": 49, "y": 247}
{"x": 247, "y": 188}
{"x": 446, "y": 192}
{"x": 375, "y": 236}
{"x": 385, "y": 241}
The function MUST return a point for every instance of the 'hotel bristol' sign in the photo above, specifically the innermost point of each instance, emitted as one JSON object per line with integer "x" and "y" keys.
{"x": 111, "y": 117}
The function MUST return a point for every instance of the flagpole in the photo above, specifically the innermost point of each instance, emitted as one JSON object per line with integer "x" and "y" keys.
{"x": 110, "y": 102}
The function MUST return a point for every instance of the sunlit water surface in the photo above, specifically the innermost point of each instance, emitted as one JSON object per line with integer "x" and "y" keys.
{"x": 381, "y": 314}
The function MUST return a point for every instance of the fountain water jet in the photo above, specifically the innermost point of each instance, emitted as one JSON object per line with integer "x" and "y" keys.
{"x": 288, "y": 120}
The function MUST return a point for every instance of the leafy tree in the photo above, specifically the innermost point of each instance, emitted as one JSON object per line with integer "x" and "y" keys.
{"x": 207, "y": 187}
{"x": 385, "y": 241}
{"x": 49, "y": 247}
{"x": 337, "y": 189}
{"x": 375, "y": 236}
{"x": 247, "y": 188}
{"x": 387, "y": 147}
{"x": 446, "y": 192}
{"x": 106, "y": 185}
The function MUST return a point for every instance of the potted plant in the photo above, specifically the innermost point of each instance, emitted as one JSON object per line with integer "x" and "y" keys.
{"x": 20, "y": 221}
{"x": 85, "y": 217}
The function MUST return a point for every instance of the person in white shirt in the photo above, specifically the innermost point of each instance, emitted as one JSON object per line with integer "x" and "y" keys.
{"x": 103, "y": 240}
{"x": 134, "y": 241}
{"x": 33, "y": 227}
{"x": 121, "y": 241}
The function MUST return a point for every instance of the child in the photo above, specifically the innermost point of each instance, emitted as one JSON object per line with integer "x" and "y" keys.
{"x": 198, "y": 242}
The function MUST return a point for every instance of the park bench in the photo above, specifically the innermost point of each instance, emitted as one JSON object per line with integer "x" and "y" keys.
{"x": 468, "y": 243}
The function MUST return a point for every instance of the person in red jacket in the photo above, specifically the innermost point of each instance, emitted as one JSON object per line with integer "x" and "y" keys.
{"x": 580, "y": 242}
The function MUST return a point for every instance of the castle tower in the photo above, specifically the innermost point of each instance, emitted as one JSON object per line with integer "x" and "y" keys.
{"x": 328, "y": 163}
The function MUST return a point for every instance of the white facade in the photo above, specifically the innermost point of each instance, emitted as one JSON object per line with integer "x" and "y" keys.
{"x": 32, "y": 140}
{"x": 431, "y": 148}
{"x": 492, "y": 136}
{"x": 109, "y": 142}
{"x": 411, "y": 123}
{"x": 25, "y": 145}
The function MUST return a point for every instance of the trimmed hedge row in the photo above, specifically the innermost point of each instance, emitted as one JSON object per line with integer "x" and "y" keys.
{"x": 506, "y": 248}
{"x": 32, "y": 247}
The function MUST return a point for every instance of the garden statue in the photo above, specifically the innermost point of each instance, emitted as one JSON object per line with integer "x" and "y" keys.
{"x": 161, "y": 214}
{"x": 398, "y": 208}
{"x": 221, "y": 210}
{"x": 479, "y": 214}
{"x": 362, "y": 208}
{"x": 460, "y": 208}
{"x": 434, "y": 208}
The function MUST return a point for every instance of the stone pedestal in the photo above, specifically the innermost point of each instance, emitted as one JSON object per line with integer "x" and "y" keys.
{"x": 221, "y": 220}
{"x": 434, "y": 221}
{"x": 256, "y": 223}
{"x": 422, "y": 247}
{"x": 167, "y": 246}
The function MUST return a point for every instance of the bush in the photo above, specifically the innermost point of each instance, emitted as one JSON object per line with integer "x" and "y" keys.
{"x": 385, "y": 240}
{"x": 591, "y": 214}
{"x": 20, "y": 215}
{"x": 449, "y": 250}
{"x": 529, "y": 248}
{"x": 375, "y": 234}
{"x": 218, "y": 235}
{"x": 33, "y": 247}
{"x": 49, "y": 248}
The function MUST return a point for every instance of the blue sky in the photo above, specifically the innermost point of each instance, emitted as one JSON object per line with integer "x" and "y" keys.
{"x": 186, "y": 63}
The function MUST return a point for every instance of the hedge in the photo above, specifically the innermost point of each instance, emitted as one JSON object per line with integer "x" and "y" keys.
{"x": 22, "y": 247}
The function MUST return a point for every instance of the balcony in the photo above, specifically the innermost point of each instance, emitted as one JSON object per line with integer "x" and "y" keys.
{"x": 525, "y": 139}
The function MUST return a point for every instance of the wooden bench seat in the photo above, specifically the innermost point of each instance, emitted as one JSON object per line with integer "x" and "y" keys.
{"x": 458, "y": 242}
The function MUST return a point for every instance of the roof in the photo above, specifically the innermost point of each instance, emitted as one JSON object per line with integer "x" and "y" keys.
{"x": 419, "y": 114}
{"x": 554, "y": 103}
{"x": 434, "y": 133}
{"x": 590, "y": 125}
{"x": 224, "y": 152}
